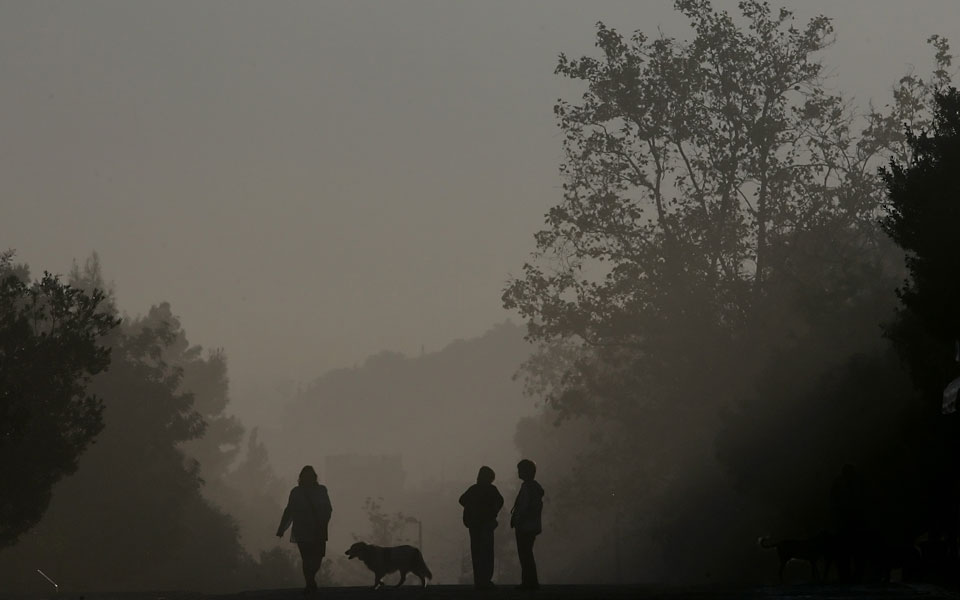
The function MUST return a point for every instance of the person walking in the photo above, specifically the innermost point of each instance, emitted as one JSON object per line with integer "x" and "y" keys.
{"x": 481, "y": 504}
{"x": 525, "y": 521}
{"x": 308, "y": 510}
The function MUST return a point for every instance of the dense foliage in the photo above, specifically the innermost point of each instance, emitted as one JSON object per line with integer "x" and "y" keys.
{"x": 136, "y": 513}
{"x": 708, "y": 294}
{"x": 922, "y": 217}
{"x": 52, "y": 343}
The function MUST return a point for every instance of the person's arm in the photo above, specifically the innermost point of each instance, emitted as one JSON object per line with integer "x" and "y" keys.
{"x": 498, "y": 503}
{"x": 326, "y": 509}
{"x": 519, "y": 507}
{"x": 287, "y": 517}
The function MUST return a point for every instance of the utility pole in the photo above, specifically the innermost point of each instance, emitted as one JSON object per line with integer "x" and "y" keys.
{"x": 419, "y": 531}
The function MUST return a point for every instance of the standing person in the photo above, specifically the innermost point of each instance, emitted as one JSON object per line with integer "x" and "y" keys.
{"x": 848, "y": 499}
{"x": 525, "y": 520}
{"x": 308, "y": 508}
{"x": 481, "y": 503}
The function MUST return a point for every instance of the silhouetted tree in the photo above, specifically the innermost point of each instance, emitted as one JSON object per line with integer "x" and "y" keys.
{"x": 706, "y": 181}
{"x": 51, "y": 345}
{"x": 202, "y": 375}
{"x": 923, "y": 218}
{"x": 134, "y": 516}
{"x": 719, "y": 213}
{"x": 136, "y": 499}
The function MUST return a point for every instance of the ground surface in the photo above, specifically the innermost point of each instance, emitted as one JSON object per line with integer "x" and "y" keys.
{"x": 558, "y": 592}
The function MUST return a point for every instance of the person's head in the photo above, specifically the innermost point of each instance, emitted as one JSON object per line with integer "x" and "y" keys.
{"x": 307, "y": 476}
{"x": 526, "y": 469}
{"x": 485, "y": 475}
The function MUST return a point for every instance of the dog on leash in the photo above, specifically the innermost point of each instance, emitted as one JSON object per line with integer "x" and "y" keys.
{"x": 384, "y": 560}
{"x": 813, "y": 550}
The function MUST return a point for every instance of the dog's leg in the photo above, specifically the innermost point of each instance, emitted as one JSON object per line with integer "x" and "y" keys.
{"x": 813, "y": 568}
{"x": 423, "y": 581}
{"x": 783, "y": 565}
{"x": 376, "y": 580}
{"x": 403, "y": 577}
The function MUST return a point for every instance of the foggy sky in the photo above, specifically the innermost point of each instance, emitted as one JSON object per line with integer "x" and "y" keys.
{"x": 311, "y": 182}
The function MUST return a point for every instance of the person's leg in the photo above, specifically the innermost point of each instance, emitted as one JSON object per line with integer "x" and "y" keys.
{"x": 319, "y": 551}
{"x": 521, "y": 557}
{"x": 305, "y": 563}
{"x": 528, "y": 566}
{"x": 311, "y": 555}
{"x": 534, "y": 581}
{"x": 485, "y": 563}
{"x": 475, "y": 556}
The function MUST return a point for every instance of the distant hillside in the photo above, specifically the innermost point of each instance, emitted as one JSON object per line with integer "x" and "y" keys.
{"x": 445, "y": 412}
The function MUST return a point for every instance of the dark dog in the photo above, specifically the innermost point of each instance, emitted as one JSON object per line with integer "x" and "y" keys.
{"x": 812, "y": 550}
{"x": 382, "y": 561}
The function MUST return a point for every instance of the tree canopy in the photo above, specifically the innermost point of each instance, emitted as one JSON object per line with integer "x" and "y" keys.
{"x": 714, "y": 277}
{"x": 136, "y": 513}
{"x": 52, "y": 343}
{"x": 706, "y": 181}
{"x": 923, "y": 218}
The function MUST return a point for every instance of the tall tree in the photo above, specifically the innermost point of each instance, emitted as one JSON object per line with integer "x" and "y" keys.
{"x": 704, "y": 181}
{"x": 134, "y": 516}
{"x": 923, "y": 218}
{"x": 203, "y": 375}
{"x": 52, "y": 342}
{"x": 719, "y": 211}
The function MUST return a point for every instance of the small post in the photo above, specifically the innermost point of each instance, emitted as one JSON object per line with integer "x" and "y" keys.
{"x": 419, "y": 530}
{"x": 616, "y": 546}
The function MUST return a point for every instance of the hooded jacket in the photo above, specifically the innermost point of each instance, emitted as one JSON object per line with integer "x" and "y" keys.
{"x": 481, "y": 503}
{"x": 525, "y": 515}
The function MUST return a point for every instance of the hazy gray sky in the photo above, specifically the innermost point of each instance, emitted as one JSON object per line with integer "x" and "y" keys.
{"x": 311, "y": 182}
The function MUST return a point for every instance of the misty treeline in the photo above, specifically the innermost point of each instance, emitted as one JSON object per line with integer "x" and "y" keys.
{"x": 717, "y": 330}
{"x": 397, "y": 439}
{"x": 159, "y": 488}
{"x": 713, "y": 303}
{"x": 121, "y": 469}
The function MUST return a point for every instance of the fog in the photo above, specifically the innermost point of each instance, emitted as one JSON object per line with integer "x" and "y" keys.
{"x": 325, "y": 202}
{"x": 313, "y": 184}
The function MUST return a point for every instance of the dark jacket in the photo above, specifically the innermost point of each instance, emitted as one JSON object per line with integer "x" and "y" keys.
{"x": 309, "y": 510}
{"x": 481, "y": 503}
{"x": 525, "y": 515}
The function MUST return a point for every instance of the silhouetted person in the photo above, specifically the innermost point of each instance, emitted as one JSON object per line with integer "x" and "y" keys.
{"x": 525, "y": 520}
{"x": 848, "y": 498}
{"x": 481, "y": 503}
{"x": 309, "y": 510}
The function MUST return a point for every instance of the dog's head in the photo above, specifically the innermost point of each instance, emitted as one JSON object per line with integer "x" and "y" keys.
{"x": 357, "y": 550}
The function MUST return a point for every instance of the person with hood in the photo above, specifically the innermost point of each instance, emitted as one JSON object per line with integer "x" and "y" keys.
{"x": 309, "y": 510}
{"x": 481, "y": 504}
{"x": 525, "y": 521}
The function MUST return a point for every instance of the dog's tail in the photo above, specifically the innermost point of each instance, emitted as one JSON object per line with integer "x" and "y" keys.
{"x": 765, "y": 542}
{"x": 423, "y": 565}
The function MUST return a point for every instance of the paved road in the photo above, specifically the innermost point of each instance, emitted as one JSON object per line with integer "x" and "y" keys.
{"x": 557, "y": 592}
